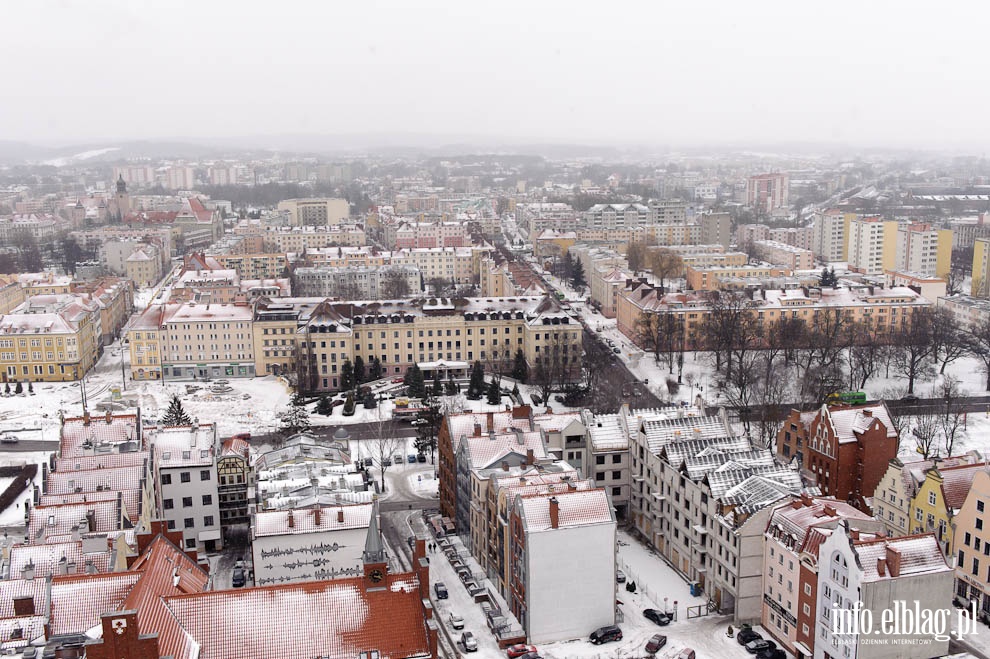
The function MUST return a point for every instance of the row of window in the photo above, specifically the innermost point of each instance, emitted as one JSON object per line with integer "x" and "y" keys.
{"x": 184, "y": 476}
{"x": 187, "y": 502}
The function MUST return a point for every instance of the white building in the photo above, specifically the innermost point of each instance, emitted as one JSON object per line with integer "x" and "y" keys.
{"x": 185, "y": 467}
{"x": 828, "y": 237}
{"x": 878, "y": 574}
{"x": 309, "y": 544}
{"x": 568, "y": 592}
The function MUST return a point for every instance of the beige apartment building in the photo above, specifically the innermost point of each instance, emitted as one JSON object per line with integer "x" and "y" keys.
{"x": 789, "y": 256}
{"x": 11, "y": 293}
{"x": 56, "y": 346}
{"x": 971, "y": 547}
{"x": 254, "y": 266}
{"x": 713, "y": 278}
{"x": 316, "y": 212}
{"x": 144, "y": 266}
{"x": 872, "y": 245}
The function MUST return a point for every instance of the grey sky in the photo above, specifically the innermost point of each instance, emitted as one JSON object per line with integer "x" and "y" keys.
{"x": 865, "y": 72}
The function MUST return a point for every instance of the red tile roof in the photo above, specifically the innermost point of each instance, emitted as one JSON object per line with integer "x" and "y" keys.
{"x": 78, "y": 601}
{"x": 956, "y": 482}
{"x": 46, "y": 523}
{"x": 36, "y": 589}
{"x": 576, "y": 508}
{"x": 335, "y": 619}
{"x": 45, "y": 558}
{"x": 166, "y": 571}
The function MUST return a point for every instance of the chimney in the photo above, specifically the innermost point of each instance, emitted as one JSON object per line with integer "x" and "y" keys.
{"x": 340, "y": 515}
{"x": 24, "y": 605}
{"x": 477, "y": 430}
{"x": 894, "y": 561}
{"x": 854, "y": 534}
{"x": 27, "y": 572}
{"x": 86, "y": 418}
{"x": 317, "y": 516}
{"x": 796, "y": 504}
{"x": 505, "y": 466}
{"x": 291, "y": 522}
{"x": 867, "y": 412}
{"x": 519, "y": 437}
{"x": 829, "y": 510}
{"x": 491, "y": 421}
{"x": 554, "y": 513}
{"x": 90, "y": 521}
{"x": 806, "y": 499}
{"x": 530, "y": 458}
{"x": 881, "y": 567}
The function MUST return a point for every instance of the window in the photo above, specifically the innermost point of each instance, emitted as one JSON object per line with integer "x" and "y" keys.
{"x": 187, "y": 502}
{"x": 807, "y": 589}
{"x": 979, "y": 506}
{"x": 166, "y": 479}
{"x": 171, "y": 525}
{"x": 167, "y": 504}
{"x": 616, "y": 491}
{"x": 188, "y": 522}
{"x": 204, "y": 475}
{"x": 976, "y": 567}
{"x": 190, "y": 543}
{"x": 208, "y": 520}
{"x": 207, "y": 499}
{"x": 184, "y": 477}
{"x": 979, "y": 524}
{"x": 599, "y": 459}
{"x": 806, "y": 610}
{"x": 967, "y": 539}
{"x": 931, "y": 498}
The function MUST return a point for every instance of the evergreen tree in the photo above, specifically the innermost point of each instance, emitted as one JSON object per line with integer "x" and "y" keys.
{"x": 6, "y": 388}
{"x": 494, "y": 392}
{"x": 520, "y": 369}
{"x": 349, "y": 405}
{"x": 577, "y": 276}
{"x": 324, "y": 407}
{"x": 515, "y": 392}
{"x": 294, "y": 419}
{"x": 175, "y": 415}
{"x": 437, "y": 384}
{"x": 346, "y": 375}
{"x": 477, "y": 385}
{"x": 375, "y": 369}
{"x": 828, "y": 279}
{"x": 414, "y": 382}
{"x": 297, "y": 400}
{"x": 30, "y": 387}
{"x": 451, "y": 387}
{"x": 359, "y": 375}
{"x": 19, "y": 388}
{"x": 370, "y": 402}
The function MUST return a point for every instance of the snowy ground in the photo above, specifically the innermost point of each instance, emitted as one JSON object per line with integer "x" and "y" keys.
{"x": 655, "y": 580}
{"x": 13, "y": 516}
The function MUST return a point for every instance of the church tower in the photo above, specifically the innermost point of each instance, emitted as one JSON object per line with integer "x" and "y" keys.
{"x": 122, "y": 199}
{"x": 374, "y": 558}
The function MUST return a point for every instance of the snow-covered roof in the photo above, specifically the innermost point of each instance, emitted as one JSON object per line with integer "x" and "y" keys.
{"x": 795, "y": 518}
{"x": 919, "y": 554}
{"x": 336, "y": 619}
{"x": 607, "y": 433}
{"x": 851, "y": 421}
{"x": 45, "y": 558}
{"x": 321, "y": 519}
{"x": 78, "y": 601}
{"x": 576, "y": 508}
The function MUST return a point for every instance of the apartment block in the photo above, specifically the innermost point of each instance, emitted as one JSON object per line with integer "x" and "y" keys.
{"x": 872, "y": 245}
{"x": 767, "y": 192}
{"x": 924, "y": 250}
{"x": 778, "y": 253}
{"x": 716, "y": 278}
{"x": 800, "y": 237}
{"x": 144, "y": 266}
{"x": 830, "y": 235}
{"x": 357, "y": 282}
{"x": 316, "y": 212}
{"x": 981, "y": 268}
{"x": 201, "y": 341}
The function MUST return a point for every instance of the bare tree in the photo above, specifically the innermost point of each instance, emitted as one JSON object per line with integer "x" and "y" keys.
{"x": 728, "y": 327}
{"x": 926, "y": 434}
{"x": 384, "y": 446}
{"x": 665, "y": 265}
{"x": 979, "y": 344}
{"x": 952, "y": 412}
{"x": 394, "y": 284}
{"x": 636, "y": 256}
{"x": 864, "y": 355}
{"x": 900, "y": 417}
{"x": 914, "y": 350}
{"x": 948, "y": 338}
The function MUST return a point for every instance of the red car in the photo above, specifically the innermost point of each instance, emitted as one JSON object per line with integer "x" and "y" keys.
{"x": 397, "y": 380}
{"x": 519, "y": 650}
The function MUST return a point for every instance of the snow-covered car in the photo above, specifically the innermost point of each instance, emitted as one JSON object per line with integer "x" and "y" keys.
{"x": 456, "y": 621}
{"x": 469, "y": 642}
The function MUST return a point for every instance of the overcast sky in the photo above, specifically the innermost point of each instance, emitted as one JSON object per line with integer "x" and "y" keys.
{"x": 866, "y": 72}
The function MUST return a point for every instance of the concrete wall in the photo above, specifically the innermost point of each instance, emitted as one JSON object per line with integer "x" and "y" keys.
{"x": 313, "y": 556}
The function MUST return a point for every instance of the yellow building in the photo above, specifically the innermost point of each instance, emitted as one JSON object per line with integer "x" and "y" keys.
{"x": 938, "y": 498}
{"x": 872, "y": 245}
{"x": 144, "y": 338}
{"x": 44, "y": 283}
{"x": 45, "y": 347}
{"x": 712, "y": 278}
{"x": 552, "y": 243}
{"x": 254, "y": 266}
{"x": 144, "y": 266}
{"x": 11, "y": 293}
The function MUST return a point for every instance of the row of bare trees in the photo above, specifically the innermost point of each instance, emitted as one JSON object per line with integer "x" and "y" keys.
{"x": 795, "y": 359}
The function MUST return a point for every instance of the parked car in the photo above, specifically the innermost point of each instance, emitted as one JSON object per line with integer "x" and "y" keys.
{"x": 606, "y": 634}
{"x": 656, "y": 642}
{"x": 771, "y": 654}
{"x": 456, "y": 621}
{"x": 420, "y": 457}
{"x": 441, "y": 590}
{"x": 469, "y": 642}
{"x": 239, "y": 578}
{"x": 411, "y": 458}
{"x": 616, "y": 350}
{"x": 658, "y": 617}
{"x": 686, "y": 653}
{"x": 531, "y": 655}
{"x": 7, "y": 438}
{"x": 397, "y": 380}
{"x": 909, "y": 398}
{"x": 759, "y": 645}
{"x": 419, "y": 422}
{"x": 620, "y": 576}
{"x": 746, "y": 635}
{"x": 519, "y": 650}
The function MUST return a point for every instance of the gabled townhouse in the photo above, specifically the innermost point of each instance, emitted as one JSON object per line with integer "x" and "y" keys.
{"x": 939, "y": 498}
{"x": 971, "y": 548}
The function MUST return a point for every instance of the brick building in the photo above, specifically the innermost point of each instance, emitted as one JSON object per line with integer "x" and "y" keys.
{"x": 845, "y": 450}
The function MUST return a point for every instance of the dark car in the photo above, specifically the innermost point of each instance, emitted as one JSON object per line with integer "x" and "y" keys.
{"x": 420, "y": 457}
{"x": 656, "y": 642}
{"x": 657, "y": 616}
{"x": 239, "y": 578}
{"x": 759, "y": 645}
{"x": 606, "y": 634}
{"x": 910, "y": 398}
{"x": 441, "y": 590}
{"x": 771, "y": 654}
{"x": 746, "y": 635}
